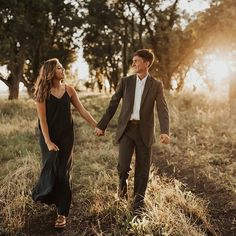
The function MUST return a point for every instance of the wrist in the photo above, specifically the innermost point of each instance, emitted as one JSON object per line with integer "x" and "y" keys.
{"x": 47, "y": 141}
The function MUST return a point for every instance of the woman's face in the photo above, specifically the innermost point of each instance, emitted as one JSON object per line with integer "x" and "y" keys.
{"x": 59, "y": 72}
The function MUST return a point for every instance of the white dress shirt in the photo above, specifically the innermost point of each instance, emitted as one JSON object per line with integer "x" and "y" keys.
{"x": 137, "y": 98}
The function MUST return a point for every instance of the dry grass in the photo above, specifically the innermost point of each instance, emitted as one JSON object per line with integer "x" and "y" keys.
{"x": 202, "y": 153}
{"x": 15, "y": 194}
{"x": 171, "y": 209}
{"x": 206, "y": 137}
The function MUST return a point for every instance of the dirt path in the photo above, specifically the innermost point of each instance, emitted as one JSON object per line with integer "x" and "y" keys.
{"x": 222, "y": 202}
{"x": 80, "y": 222}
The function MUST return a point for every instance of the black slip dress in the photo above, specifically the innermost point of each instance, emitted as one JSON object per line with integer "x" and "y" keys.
{"x": 54, "y": 184}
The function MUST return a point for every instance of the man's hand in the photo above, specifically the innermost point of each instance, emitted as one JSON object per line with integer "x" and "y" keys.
{"x": 164, "y": 138}
{"x": 99, "y": 132}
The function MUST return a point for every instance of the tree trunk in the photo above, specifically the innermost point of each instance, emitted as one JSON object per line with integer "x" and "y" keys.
{"x": 167, "y": 82}
{"x": 13, "y": 87}
{"x": 232, "y": 95}
{"x": 16, "y": 66}
{"x": 30, "y": 91}
{"x": 124, "y": 50}
{"x": 140, "y": 34}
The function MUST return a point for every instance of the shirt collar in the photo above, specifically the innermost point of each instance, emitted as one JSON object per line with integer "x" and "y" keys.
{"x": 143, "y": 80}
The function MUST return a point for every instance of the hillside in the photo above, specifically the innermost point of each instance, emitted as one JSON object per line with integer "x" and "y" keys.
{"x": 191, "y": 189}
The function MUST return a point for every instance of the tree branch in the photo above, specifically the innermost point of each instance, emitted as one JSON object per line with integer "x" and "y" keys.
{"x": 5, "y": 81}
{"x": 172, "y": 15}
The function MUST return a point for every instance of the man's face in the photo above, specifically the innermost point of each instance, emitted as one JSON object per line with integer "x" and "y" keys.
{"x": 139, "y": 65}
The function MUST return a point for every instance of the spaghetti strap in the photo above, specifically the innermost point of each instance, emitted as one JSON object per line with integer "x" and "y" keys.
{"x": 67, "y": 91}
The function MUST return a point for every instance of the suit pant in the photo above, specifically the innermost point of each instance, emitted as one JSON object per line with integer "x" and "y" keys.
{"x": 131, "y": 142}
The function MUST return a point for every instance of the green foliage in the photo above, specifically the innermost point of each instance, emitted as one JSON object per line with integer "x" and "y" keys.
{"x": 110, "y": 31}
{"x": 102, "y": 48}
{"x": 115, "y": 29}
{"x": 34, "y": 31}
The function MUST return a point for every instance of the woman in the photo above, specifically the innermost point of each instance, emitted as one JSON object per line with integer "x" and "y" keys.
{"x": 56, "y": 138}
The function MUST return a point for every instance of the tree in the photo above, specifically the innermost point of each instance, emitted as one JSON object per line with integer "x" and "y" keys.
{"x": 33, "y": 31}
{"x": 125, "y": 26}
{"x": 221, "y": 18}
{"x": 101, "y": 46}
{"x": 14, "y": 38}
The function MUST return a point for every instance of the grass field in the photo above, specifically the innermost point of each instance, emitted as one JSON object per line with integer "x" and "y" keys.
{"x": 191, "y": 191}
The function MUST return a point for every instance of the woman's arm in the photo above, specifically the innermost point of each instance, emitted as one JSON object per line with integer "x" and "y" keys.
{"x": 41, "y": 109}
{"x": 80, "y": 108}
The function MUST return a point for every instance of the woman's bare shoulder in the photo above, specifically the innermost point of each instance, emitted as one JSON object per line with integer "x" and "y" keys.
{"x": 70, "y": 90}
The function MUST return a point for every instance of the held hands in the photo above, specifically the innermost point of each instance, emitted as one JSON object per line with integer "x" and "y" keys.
{"x": 52, "y": 146}
{"x": 164, "y": 138}
{"x": 99, "y": 132}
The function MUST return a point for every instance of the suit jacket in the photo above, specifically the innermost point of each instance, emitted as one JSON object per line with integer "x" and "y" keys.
{"x": 152, "y": 96}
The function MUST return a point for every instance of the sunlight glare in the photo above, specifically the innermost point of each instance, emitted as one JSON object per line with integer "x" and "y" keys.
{"x": 194, "y": 81}
{"x": 215, "y": 79}
{"x": 194, "y": 6}
{"x": 217, "y": 69}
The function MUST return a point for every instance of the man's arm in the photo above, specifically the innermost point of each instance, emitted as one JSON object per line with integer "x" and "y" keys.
{"x": 163, "y": 115}
{"x": 110, "y": 111}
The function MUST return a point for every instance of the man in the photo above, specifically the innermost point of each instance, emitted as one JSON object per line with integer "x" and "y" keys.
{"x": 140, "y": 93}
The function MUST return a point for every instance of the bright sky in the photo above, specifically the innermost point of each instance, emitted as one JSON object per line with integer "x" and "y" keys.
{"x": 191, "y": 6}
{"x": 81, "y": 65}
{"x": 217, "y": 69}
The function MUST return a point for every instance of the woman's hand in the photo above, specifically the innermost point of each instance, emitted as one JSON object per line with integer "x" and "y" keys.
{"x": 99, "y": 132}
{"x": 52, "y": 146}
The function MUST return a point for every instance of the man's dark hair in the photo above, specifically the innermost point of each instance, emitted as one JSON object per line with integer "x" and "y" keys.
{"x": 146, "y": 54}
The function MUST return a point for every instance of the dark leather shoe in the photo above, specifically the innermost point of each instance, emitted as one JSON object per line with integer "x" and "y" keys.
{"x": 123, "y": 188}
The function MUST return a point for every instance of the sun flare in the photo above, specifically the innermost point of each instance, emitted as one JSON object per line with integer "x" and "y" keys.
{"x": 217, "y": 68}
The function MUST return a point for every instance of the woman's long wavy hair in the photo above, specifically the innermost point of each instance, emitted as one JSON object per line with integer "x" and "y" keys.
{"x": 44, "y": 80}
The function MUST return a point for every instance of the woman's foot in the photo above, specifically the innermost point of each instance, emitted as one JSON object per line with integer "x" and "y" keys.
{"x": 60, "y": 221}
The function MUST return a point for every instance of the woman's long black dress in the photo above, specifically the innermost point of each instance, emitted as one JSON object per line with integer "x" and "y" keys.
{"x": 54, "y": 184}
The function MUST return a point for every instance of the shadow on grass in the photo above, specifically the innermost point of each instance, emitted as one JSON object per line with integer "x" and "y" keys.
{"x": 219, "y": 196}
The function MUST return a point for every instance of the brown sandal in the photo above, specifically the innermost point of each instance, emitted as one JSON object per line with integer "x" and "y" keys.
{"x": 60, "y": 221}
